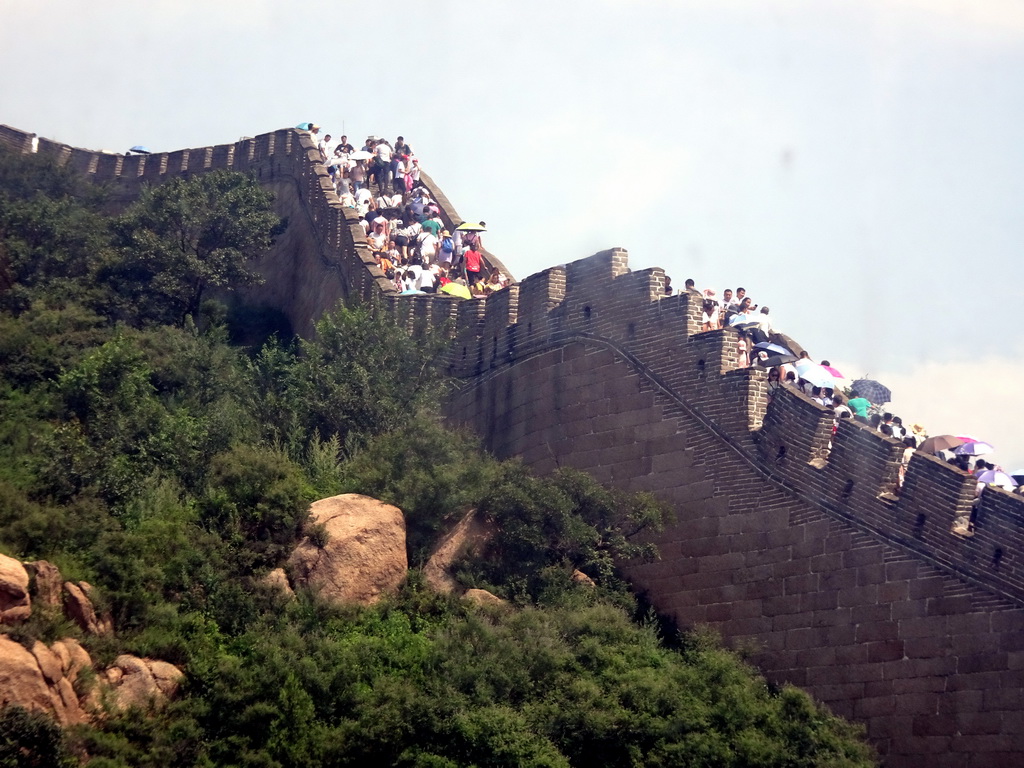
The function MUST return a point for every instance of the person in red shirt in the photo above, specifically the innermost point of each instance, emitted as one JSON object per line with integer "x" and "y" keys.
{"x": 473, "y": 263}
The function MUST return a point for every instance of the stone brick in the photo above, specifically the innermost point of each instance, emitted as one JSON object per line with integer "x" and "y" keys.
{"x": 874, "y": 706}
{"x": 885, "y": 650}
{"x": 882, "y": 630}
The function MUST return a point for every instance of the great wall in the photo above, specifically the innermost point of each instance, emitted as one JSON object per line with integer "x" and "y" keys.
{"x": 788, "y": 541}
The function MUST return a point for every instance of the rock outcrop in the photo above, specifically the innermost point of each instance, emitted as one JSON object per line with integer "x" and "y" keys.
{"x": 483, "y": 597}
{"x": 78, "y": 606}
{"x": 579, "y": 577}
{"x": 278, "y": 579}
{"x": 43, "y": 679}
{"x": 364, "y": 556}
{"x": 46, "y": 678}
{"x": 143, "y": 683}
{"x": 46, "y": 583}
{"x": 469, "y": 537}
{"x": 15, "y": 603}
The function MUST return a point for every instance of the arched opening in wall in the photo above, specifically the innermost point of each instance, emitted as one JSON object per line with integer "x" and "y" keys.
{"x": 586, "y": 312}
{"x": 997, "y": 557}
{"x": 780, "y": 455}
{"x": 919, "y": 524}
{"x": 529, "y": 328}
{"x": 631, "y": 331}
{"x": 700, "y": 367}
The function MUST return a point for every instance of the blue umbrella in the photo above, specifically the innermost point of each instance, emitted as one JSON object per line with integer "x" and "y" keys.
{"x": 974, "y": 449}
{"x": 140, "y": 149}
{"x": 872, "y": 390}
{"x": 767, "y": 346}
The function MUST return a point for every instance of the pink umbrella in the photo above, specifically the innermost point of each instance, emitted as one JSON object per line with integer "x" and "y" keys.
{"x": 975, "y": 448}
{"x": 835, "y": 372}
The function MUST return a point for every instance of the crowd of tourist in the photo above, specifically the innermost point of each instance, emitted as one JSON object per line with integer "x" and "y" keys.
{"x": 412, "y": 247}
{"x": 403, "y": 225}
{"x": 757, "y": 345}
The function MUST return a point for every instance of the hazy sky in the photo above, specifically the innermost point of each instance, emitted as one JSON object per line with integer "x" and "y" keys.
{"x": 856, "y": 165}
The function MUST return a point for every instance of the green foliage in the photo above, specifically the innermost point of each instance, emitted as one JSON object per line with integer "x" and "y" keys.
{"x": 185, "y": 237}
{"x": 546, "y": 528}
{"x": 362, "y": 376}
{"x": 258, "y": 503}
{"x": 172, "y": 470}
{"x": 31, "y": 740}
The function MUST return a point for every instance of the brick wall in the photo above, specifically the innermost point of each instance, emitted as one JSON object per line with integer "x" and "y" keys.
{"x": 788, "y": 540}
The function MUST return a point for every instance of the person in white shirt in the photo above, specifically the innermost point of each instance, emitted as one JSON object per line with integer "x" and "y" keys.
{"x": 382, "y": 166}
{"x": 325, "y": 147}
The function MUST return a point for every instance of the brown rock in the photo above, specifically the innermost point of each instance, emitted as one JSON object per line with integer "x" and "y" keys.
{"x": 37, "y": 679}
{"x": 15, "y": 603}
{"x": 278, "y": 579}
{"x": 104, "y": 623}
{"x": 365, "y": 555}
{"x": 136, "y": 682}
{"x": 73, "y": 711}
{"x": 21, "y": 679}
{"x": 469, "y": 537}
{"x": 46, "y": 582}
{"x": 483, "y": 597}
{"x": 73, "y": 657}
{"x": 79, "y": 608}
{"x": 167, "y": 676}
{"x": 133, "y": 683}
{"x": 581, "y": 578}
{"x": 48, "y": 663}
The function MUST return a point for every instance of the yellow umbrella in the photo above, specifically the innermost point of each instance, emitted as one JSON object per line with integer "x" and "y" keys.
{"x": 456, "y": 289}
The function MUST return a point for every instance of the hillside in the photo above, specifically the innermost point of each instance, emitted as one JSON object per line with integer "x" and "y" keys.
{"x": 166, "y": 450}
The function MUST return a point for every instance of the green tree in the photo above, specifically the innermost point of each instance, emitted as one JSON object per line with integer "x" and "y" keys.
{"x": 31, "y": 740}
{"x": 185, "y": 237}
{"x": 363, "y": 375}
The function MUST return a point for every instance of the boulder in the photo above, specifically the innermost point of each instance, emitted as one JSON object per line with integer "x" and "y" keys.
{"x": 73, "y": 657}
{"x": 469, "y": 537}
{"x": 142, "y": 683}
{"x": 582, "y": 579}
{"x": 48, "y": 663}
{"x": 132, "y": 684}
{"x": 79, "y": 608}
{"x": 21, "y": 679}
{"x": 278, "y": 579}
{"x": 15, "y": 603}
{"x": 364, "y": 557}
{"x": 43, "y": 679}
{"x": 483, "y": 597}
{"x": 166, "y": 676}
{"x": 104, "y": 622}
{"x": 47, "y": 583}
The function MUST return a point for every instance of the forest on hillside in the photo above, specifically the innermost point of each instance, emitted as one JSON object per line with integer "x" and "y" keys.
{"x": 160, "y": 443}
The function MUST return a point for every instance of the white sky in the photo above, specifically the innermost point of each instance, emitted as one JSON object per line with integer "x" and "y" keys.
{"x": 855, "y": 164}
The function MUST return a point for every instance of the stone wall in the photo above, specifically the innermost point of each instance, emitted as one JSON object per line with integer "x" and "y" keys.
{"x": 788, "y": 539}
{"x": 322, "y": 257}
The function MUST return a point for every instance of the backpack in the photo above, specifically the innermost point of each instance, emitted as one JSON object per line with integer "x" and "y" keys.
{"x": 447, "y": 244}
